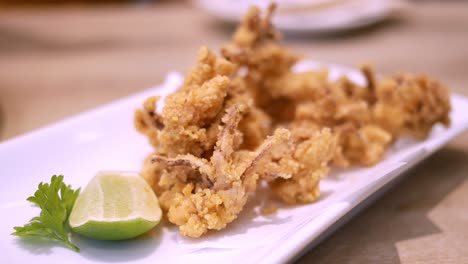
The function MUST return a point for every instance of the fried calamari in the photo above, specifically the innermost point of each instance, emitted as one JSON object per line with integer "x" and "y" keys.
{"x": 305, "y": 158}
{"x": 249, "y": 117}
{"x": 364, "y": 119}
{"x": 211, "y": 149}
{"x": 411, "y": 105}
{"x": 191, "y": 116}
{"x": 202, "y": 194}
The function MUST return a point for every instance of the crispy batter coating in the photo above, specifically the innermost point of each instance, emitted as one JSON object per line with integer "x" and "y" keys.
{"x": 256, "y": 123}
{"x": 248, "y": 117}
{"x": 204, "y": 184}
{"x": 255, "y": 49}
{"x": 410, "y": 105}
{"x": 288, "y": 96}
{"x": 363, "y": 145}
{"x": 364, "y": 120}
{"x": 202, "y": 194}
{"x": 306, "y": 158}
{"x": 188, "y": 121}
{"x": 347, "y": 109}
{"x": 255, "y": 46}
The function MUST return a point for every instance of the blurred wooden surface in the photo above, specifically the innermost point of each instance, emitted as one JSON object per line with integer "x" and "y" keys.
{"x": 56, "y": 62}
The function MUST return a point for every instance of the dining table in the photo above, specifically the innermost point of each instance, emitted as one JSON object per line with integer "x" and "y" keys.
{"x": 58, "y": 61}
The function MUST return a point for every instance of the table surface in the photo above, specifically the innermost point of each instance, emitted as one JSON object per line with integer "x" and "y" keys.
{"x": 56, "y": 62}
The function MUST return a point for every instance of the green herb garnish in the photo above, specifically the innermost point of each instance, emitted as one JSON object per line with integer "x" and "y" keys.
{"x": 56, "y": 202}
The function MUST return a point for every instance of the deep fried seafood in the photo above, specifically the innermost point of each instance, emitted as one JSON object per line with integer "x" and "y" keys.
{"x": 344, "y": 107}
{"x": 203, "y": 187}
{"x": 211, "y": 140}
{"x": 306, "y": 158}
{"x": 288, "y": 96}
{"x": 254, "y": 45}
{"x": 255, "y": 49}
{"x": 365, "y": 120}
{"x": 409, "y": 104}
{"x": 186, "y": 124}
{"x": 364, "y": 145}
{"x": 191, "y": 117}
{"x": 255, "y": 124}
{"x": 201, "y": 194}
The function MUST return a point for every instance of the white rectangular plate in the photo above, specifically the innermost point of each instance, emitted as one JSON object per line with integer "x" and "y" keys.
{"x": 104, "y": 139}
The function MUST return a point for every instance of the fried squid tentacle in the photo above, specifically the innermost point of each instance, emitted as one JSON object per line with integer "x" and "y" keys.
{"x": 250, "y": 117}
{"x": 220, "y": 186}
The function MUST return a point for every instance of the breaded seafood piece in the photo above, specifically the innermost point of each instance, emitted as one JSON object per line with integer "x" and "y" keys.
{"x": 410, "y": 104}
{"x": 305, "y": 157}
{"x": 185, "y": 124}
{"x": 256, "y": 52}
{"x": 203, "y": 194}
{"x": 249, "y": 117}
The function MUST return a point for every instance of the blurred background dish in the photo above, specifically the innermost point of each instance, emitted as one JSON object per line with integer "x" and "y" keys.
{"x": 315, "y": 16}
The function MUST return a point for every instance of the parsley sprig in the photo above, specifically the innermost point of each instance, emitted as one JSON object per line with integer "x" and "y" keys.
{"x": 56, "y": 202}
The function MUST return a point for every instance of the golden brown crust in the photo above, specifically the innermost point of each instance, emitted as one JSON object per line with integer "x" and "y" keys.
{"x": 306, "y": 159}
{"x": 202, "y": 194}
{"x": 411, "y": 105}
{"x": 189, "y": 115}
{"x": 248, "y": 117}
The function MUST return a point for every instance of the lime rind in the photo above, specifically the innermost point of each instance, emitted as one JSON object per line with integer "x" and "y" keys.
{"x": 119, "y": 230}
{"x": 115, "y": 206}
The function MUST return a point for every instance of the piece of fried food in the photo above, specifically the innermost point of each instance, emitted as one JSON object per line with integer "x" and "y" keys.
{"x": 187, "y": 123}
{"x": 364, "y": 119}
{"x": 411, "y": 105}
{"x": 202, "y": 194}
{"x": 306, "y": 157}
{"x": 287, "y": 96}
{"x": 347, "y": 109}
{"x": 254, "y": 49}
{"x": 191, "y": 117}
{"x": 255, "y": 124}
{"x": 211, "y": 140}
{"x": 204, "y": 184}
{"x": 198, "y": 165}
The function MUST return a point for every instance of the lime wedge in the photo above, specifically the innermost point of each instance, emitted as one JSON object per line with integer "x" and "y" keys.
{"x": 115, "y": 206}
